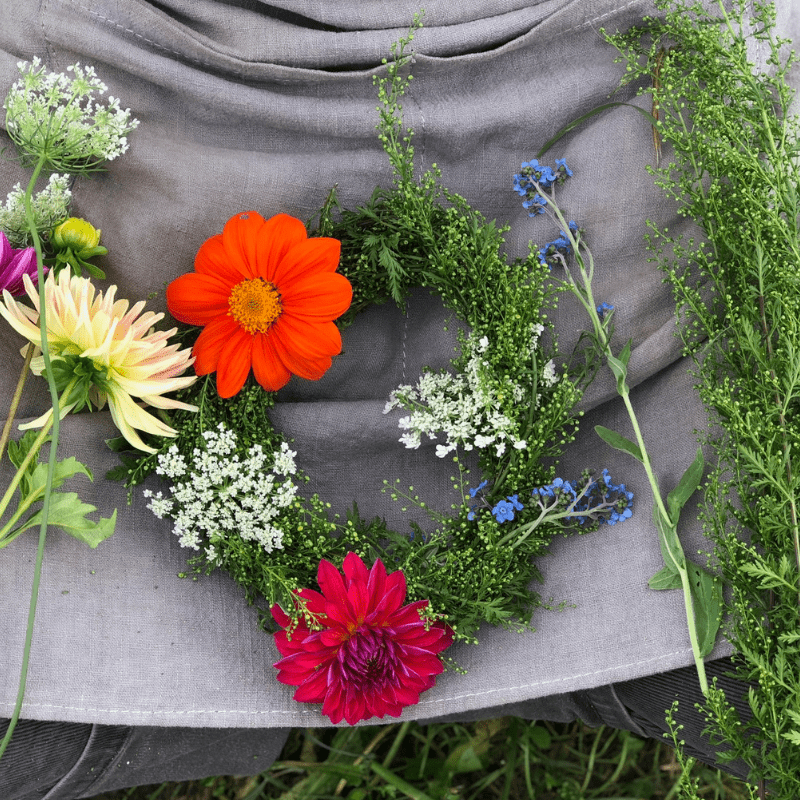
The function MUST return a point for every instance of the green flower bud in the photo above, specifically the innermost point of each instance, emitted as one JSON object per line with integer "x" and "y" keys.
{"x": 76, "y": 234}
{"x": 73, "y": 243}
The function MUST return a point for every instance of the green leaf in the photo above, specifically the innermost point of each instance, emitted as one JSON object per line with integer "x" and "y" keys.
{"x": 588, "y": 115}
{"x": 619, "y": 442}
{"x": 792, "y": 736}
{"x": 706, "y": 589}
{"x": 63, "y": 470}
{"x": 670, "y": 543}
{"x": 666, "y": 578}
{"x": 619, "y": 366}
{"x": 686, "y": 487}
{"x": 464, "y": 758}
{"x": 68, "y": 512}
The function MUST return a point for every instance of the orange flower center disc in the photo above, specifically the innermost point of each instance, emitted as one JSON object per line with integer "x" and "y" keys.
{"x": 255, "y": 304}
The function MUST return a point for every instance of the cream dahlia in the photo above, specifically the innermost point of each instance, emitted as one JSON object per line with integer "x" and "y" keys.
{"x": 132, "y": 359}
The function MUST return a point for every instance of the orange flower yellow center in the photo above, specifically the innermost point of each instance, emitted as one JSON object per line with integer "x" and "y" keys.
{"x": 255, "y": 304}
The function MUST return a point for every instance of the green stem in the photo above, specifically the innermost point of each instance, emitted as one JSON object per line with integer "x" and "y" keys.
{"x": 584, "y": 294}
{"x": 15, "y": 481}
{"x": 12, "y": 411}
{"x": 679, "y": 563}
{"x": 37, "y": 572}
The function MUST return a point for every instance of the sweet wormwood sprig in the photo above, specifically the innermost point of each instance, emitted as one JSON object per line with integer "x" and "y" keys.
{"x": 734, "y": 170}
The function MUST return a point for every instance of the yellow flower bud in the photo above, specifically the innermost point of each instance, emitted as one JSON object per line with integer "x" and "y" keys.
{"x": 76, "y": 234}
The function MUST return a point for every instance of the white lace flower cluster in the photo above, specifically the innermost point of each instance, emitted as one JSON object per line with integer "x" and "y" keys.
{"x": 50, "y": 206}
{"x": 57, "y": 116}
{"x": 220, "y": 495}
{"x": 467, "y": 409}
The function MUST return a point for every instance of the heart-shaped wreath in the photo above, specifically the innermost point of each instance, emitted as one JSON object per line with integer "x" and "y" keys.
{"x": 266, "y": 296}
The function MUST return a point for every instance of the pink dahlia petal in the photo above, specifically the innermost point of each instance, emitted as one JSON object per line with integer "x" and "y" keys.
{"x": 356, "y": 570}
{"x": 331, "y": 583}
{"x": 313, "y": 689}
{"x": 22, "y": 262}
{"x": 6, "y": 251}
{"x": 280, "y": 616}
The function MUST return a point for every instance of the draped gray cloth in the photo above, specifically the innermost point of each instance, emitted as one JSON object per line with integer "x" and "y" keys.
{"x": 248, "y": 105}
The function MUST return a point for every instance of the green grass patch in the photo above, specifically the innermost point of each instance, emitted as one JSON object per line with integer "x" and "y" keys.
{"x": 506, "y": 758}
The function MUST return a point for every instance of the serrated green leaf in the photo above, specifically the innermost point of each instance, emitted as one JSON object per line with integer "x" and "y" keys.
{"x": 68, "y": 512}
{"x": 619, "y": 442}
{"x": 792, "y": 736}
{"x": 63, "y": 470}
{"x": 686, "y": 487}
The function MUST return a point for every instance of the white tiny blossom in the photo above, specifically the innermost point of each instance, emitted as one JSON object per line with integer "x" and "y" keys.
{"x": 50, "y": 207}
{"x": 223, "y": 493}
{"x": 59, "y": 117}
{"x": 464, "y": 409}
{"x": 549, "y": 377}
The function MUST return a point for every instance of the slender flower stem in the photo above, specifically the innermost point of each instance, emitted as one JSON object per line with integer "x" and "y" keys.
{"x": 12, "y": 411}
{"x": 55, "y": 427}
{"x": 583, "y": 292}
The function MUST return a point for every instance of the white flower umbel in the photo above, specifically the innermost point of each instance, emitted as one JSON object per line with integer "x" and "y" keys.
{"x": 50, "y": 207}
{"x": 467, "y": 409}
{"x": 220, "y": 495}
{"x": 58, "y": 117}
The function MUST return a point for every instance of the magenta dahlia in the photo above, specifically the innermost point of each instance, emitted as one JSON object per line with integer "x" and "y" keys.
{"x": 369, "y": 655}
{"x": 14, "y": 264}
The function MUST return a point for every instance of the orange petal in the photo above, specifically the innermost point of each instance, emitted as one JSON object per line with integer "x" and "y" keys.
{"x": 197, "y": 299}
{"x": 209, "y": 344}
{"x": 326, "y": 295}
{"x": 276, "y": 238}
{"x": 307, "y": 338}
{"x": 235, "y": 360}
{"x": 213, "y": 259}
{"x": 267, "y": 367}
{"x": 240, "y": 238}
{"x": 319, "y": 254}
{"x": 298, "y": 356}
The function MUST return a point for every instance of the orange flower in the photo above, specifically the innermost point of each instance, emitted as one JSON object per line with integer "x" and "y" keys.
{"x": 266, "y": 296}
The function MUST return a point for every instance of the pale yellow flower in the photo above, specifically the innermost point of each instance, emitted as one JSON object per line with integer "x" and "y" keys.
{"x": 136, "y": 360}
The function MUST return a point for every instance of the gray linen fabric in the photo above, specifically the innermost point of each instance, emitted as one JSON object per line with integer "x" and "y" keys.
{"x": 246, "y": 105}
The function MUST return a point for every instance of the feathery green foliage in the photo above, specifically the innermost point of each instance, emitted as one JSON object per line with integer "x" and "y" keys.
{"x": 734, "y": 170}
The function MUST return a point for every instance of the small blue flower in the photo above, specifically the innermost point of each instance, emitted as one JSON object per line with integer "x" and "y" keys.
{"x": 561, "y": 165}
{"x": 503, "y": 511}
{"x": 481, "y": 485}
{"x": 603, "y": 309}
{"x": 514, "y": 500}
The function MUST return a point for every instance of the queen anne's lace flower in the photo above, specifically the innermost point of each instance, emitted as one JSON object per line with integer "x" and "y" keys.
{"x": 58, "y": 117}
{"x": 466, "y": 408}
{"x": 220, "y": 494}
{"x": 49, "y": 207}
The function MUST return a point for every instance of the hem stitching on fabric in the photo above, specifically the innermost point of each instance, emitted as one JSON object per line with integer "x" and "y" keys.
{"x": 421, "y": 704}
